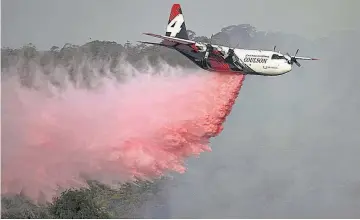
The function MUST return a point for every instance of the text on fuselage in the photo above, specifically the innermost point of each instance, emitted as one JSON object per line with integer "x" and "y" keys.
{"x": 255, "y": 58}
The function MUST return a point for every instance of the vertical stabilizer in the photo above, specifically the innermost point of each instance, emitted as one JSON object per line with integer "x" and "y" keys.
{"x": 176, "y": 24}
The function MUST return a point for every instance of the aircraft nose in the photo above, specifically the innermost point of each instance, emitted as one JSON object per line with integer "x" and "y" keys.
{"x": 287, "y": 67}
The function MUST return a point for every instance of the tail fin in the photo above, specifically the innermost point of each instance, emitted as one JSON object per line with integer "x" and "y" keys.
{"x": 176, "y": 25}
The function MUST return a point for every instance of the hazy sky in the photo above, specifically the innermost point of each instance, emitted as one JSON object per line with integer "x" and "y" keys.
{"x": 49, "y": 22}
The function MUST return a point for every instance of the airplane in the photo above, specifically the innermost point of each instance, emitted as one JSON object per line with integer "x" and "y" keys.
{"x": 217, "y": 58}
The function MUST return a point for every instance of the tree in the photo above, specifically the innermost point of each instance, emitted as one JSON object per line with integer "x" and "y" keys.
{"x": 191, "y": 34}
{"x": 29, "y": 51}
{"x": 241, "y": 34}
{"x": 54, "y": 49}
{"x": 79, "y": 203}
{"x": 18, "y": 207}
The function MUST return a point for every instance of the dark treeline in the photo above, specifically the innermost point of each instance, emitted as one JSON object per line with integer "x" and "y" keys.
{"x": 97, "y": 201}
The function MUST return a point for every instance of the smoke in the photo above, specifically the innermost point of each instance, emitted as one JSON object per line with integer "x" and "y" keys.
{"x": 55, "y": 137}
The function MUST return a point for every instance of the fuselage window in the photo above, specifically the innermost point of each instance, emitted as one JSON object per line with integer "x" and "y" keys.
{"x": 277, "y": 57}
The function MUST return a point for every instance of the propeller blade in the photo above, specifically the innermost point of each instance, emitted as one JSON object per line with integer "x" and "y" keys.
{"x": 297, "y": 51}
{"x": 297, "y": 63}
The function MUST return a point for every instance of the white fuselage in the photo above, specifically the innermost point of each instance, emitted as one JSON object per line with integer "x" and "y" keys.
{"x": 261, "y": 62}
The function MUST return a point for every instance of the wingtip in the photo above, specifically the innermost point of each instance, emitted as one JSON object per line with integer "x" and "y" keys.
{"x": 143, "y": 42}
{"x": 147, "y": 33}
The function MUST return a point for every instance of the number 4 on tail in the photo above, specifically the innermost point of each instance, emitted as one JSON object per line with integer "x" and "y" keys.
{"x": 174, "y": 27}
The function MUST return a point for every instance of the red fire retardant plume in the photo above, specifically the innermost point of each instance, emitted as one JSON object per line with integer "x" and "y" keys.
{"x": 141, "y": 129}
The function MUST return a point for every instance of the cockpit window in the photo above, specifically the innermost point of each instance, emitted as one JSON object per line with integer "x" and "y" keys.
{"x": 277, "y": 57}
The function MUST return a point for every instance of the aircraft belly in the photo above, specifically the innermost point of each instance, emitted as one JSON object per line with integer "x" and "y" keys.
{"x": 265, "y": 69}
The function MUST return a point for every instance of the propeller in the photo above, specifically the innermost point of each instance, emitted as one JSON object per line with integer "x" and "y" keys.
{"x": 233, "y": 48}
{"x": 293, "y": 59}
{"x": 209, "y": 45}
{"x": 275, "y": 49}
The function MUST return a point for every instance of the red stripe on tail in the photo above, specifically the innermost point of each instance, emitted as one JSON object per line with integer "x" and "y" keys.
{"x": 175, "y": 10}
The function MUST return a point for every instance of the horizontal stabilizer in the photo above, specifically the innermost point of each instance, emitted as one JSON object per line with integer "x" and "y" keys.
{"x": 172, "y": 39}
{"x": 158, "y": 44}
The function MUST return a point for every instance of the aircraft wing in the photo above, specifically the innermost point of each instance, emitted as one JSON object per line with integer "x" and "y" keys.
{"x": 305, "y": 58}
{"x": 172, "y": 39}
